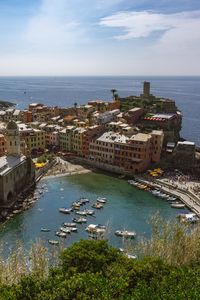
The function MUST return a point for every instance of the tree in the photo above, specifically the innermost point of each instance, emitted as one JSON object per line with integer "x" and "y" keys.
{"x": 113, "y": 91}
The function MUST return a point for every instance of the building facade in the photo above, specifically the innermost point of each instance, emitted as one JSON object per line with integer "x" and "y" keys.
{"x": 16, "y": 171}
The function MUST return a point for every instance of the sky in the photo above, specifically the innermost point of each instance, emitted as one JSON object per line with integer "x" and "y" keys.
{"x": 99, "y": 37}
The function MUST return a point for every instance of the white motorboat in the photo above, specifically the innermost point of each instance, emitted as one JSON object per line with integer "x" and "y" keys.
{"x": 90, "y": 212}
{"x": 65, "y": 230}
{"x": 96, "y": 228}
{"x": 71, "y": 229}
{"x": 69, "y": 224}
{"x": 177, "y": 205}
{"x": 84, "y": 200}
{"x": 65, "y": 210}
{"x": 53, "y": 242}
{"x": 45, "y": 229}
{"x": 81, "y": 213}
{"x": 125, "y": 233}
{"x": 101, "y": 200}
{"x": 79, "y": 220}
{"x": 188, "y": 218}
{"x": 61, "y": 234}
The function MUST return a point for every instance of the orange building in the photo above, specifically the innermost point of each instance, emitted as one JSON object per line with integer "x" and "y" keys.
{"x": 91, "y": 133}
{"x": 135, "y": 155}
{"x": 27, "y": 116}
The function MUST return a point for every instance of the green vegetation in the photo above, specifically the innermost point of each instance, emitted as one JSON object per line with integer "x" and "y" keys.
{"x": 6, "y": 104}
{"x": 44, "y": 158}
{"x": 167, "y": 268}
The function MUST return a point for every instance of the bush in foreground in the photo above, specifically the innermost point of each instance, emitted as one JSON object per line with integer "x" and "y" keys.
{"x": 95, "y": 270}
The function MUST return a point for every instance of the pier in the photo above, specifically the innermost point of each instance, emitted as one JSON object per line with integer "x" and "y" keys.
{"x": 188, "y": 198}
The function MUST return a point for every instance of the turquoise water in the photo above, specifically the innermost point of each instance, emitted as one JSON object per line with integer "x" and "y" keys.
{"x": 126, "y": 208}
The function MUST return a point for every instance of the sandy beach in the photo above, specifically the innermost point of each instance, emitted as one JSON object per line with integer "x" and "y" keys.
{"x": 65, "y": 168}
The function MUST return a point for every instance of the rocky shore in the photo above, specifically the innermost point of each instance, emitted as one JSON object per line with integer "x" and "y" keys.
{"x": 27, "y": 198}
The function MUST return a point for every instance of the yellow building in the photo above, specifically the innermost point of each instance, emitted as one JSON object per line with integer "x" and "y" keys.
{"x": 65, "y": 138}
{"x": 35, "y": 140}
{"x": 77, "y": 140}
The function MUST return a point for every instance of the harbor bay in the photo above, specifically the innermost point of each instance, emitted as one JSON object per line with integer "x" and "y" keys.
{"x": 127, "y": 208}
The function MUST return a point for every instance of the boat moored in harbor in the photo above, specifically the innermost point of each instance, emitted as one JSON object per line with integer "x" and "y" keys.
{"x": 177, "y": 205}
{"x": 53, "y": 242}
{"x": 125, "y": 233}
{"x": 65, "y": 210}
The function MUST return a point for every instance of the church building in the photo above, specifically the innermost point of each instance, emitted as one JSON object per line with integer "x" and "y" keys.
{"x": 16, "y": 170}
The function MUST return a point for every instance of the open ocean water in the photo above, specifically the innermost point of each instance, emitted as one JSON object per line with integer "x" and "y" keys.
{"x": 127, "y": 207}
{"x": 64, "y": 91}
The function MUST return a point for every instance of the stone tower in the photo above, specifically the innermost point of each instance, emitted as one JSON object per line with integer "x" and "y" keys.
{"x": 146, "y": 89}
{"x": 13, "y": 139}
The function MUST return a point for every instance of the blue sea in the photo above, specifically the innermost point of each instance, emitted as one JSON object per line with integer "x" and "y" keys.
{"x": 64, "y": 91}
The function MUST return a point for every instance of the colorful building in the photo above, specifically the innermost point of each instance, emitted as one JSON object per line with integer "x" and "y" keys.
{"x": 65, "y": 138}
{"x": 77, "y": 140}
{"x": 2, "y": 145}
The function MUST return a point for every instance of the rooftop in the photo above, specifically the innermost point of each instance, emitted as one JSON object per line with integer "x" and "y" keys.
{"x": 111, "y": 137}
{"x": 141, "y": 137}
{"x": 9, "y": 162}
{"x": 157, "y": 132}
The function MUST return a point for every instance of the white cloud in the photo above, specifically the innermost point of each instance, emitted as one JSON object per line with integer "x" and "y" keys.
{"x": 175, "y": 50}
{"x": 144, "y": 23}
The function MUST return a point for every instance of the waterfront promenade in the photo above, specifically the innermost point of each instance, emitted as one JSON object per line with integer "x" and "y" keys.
{"x": 186, "y": 196}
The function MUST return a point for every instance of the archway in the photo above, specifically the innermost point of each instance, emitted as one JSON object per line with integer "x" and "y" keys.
{"x": 9, "y": 196}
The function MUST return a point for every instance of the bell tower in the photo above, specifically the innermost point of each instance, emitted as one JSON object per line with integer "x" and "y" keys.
{"x": 13, "y": 139}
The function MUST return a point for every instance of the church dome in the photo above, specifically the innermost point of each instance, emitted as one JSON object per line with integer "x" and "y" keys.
{"x": 12, "y": 125}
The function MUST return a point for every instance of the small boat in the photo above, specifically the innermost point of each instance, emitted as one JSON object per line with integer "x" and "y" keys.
{"x": 177, "y": 205}
{"x": 188, "y": 218}
{"x": 172, "y": 199}
{"x": 53, "y": 242}
{"x": 97, "y": 205}
{"x": 71, "y": 229}
{"x": 45, "y": 229}
{"x": 65, "y": 210}
{"x": 84, "y": 200}
{"x": 81, "y": 213}
{"x": 101, "y": 200}
{"x": 69, "y": 224}
{"x": 131, "y": 256}
{"x": 125, "y": 233}
{"x": 61, "y": 234}
{"x": 79, "y": 220}
{"x": 76, "y": 206}
{"x": 90, "y": 212}
{"x": 96, "y": 229}
{"x": 65, "y": 230}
